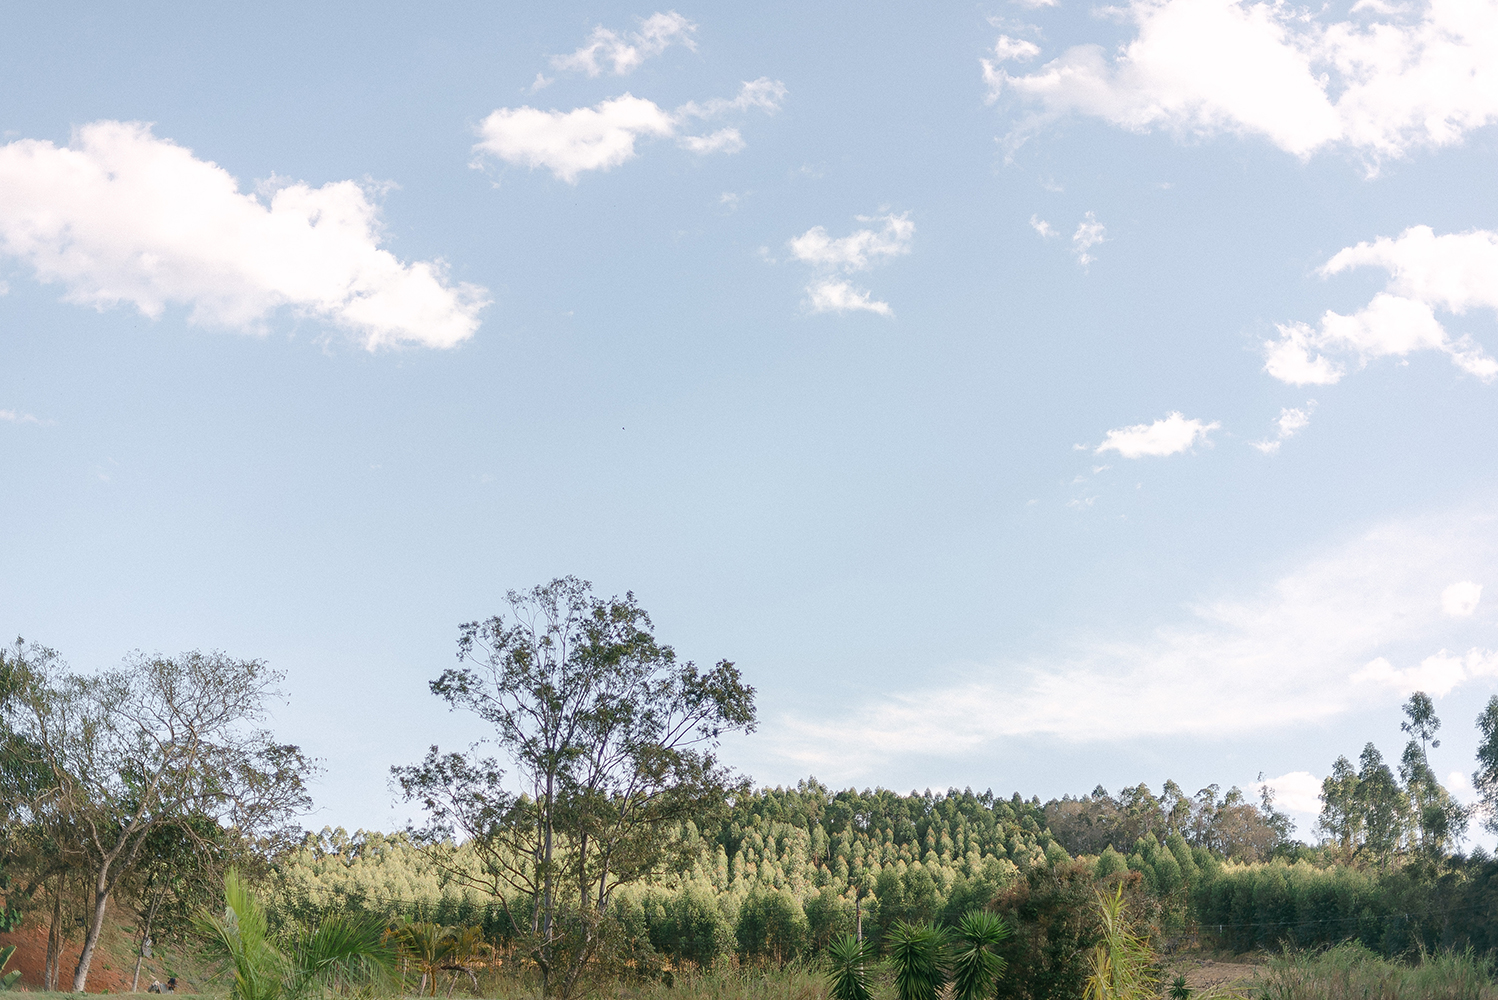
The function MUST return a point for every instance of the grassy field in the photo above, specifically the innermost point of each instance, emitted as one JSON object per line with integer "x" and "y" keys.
{"x": 1351, "y": 972}
{"x": 1346, "y": 972}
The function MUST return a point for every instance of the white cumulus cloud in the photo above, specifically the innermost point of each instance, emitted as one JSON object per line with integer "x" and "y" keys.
{"x": 1460, "y": 599}
{"x": 1437, "y": 674}
{"x": 1390, "y": 79}
{"x": 569, "y": 143}
{"x": 1170, "y": 435}
{"x": 1008, "y": 49}
{"x": 1297, "y": 792}
{"x": 834, "y": 295}
{"x": 860, "y": 250}
{"x": 623, "y": 52}
{"x": 1454, "y": 272}
{"x": 120, "y": 216}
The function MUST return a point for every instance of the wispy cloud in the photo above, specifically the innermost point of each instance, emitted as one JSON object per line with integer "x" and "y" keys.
{"x": 124, "y": 217}
{"x": 858, "y": 251}
{"x": 17, "y": 417}
{"x": 1455, "y": 272}
{"x": 571, "y": 143}
{"x": 1090, "y": 232}
{"x": 1309, "y": 646}
{"x": 725, "y": 140}
{"x": 623, "y": 52}
{"x": 1410, "y": 76}
{"x": 1291, "y": 421}
{"x": 1170, "y": 435}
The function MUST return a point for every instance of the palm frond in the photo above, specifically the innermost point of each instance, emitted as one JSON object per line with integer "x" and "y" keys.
{"x": 918, "y": 953}
{"x": 977, "y": 964}
{"x": 848, "y": 961}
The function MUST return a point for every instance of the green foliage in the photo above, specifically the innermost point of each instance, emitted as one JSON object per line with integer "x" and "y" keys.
{"x": 976, "y": 962}
{"x": 1485, "y": 778}
{"x": 1120, "y": 963}
{"x": 1397, "y": 912}
{"x": 340, "y": 952}
{"x": 848, "y": 965}
{"x": 613, "y": 742}
{"x": 1352, "y": 972}
{"x": 772, "y": 924}
{"x": 690, "y": 926}
{"x": 1054, "y": 918}
{"x": 1228, "y": 824}
{"x": 1178, "y": 989}
{"x": 917, "y": 953}
{"x": 8, "y": 979}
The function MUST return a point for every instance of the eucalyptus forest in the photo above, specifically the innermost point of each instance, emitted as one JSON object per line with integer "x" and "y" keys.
{"x": 597, "y": 843}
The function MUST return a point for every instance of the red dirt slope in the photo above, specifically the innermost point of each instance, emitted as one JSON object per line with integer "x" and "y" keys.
{"x": 107, "y": 974}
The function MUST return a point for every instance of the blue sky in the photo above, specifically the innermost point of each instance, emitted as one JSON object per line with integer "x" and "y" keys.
{"x": 1024, "y": 396}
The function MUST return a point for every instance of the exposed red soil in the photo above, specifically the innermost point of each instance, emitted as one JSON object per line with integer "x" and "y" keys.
{"x": 107, "y": 974}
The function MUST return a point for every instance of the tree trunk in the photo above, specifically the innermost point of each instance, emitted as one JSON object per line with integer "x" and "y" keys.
{"x": 95, "y": 927}
{"x": 140, "y": 952}
{"x": 54, "y": 941}
{"x": 546, "y": 904}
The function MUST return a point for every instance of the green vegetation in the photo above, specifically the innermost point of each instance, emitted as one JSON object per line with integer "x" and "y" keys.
{"x": 342, "y": 952}
{"x": 1352, "y": 972}
{"x": 7, "y": 979}
{"x": 595, "y": 843}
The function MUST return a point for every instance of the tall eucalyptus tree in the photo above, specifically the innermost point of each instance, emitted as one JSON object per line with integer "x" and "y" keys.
{"x": 610, "y": 738}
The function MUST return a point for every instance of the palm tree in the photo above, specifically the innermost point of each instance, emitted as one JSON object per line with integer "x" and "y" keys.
{"x": 342, "y": 952}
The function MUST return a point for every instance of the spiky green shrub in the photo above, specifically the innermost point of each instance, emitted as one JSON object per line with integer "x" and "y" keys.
{"x": 339, "y": 953}
{"x": 976, "y": 962}
{"x": 917, "y": 952}
{"x": 849, "y": 962}
{"x": 1121, "y": 962}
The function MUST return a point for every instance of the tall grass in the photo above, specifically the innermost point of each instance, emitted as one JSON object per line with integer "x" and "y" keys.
{"x": 726, "y": 980}
{"x": 797, "y": 981}
{"x": 1352, "y": 972}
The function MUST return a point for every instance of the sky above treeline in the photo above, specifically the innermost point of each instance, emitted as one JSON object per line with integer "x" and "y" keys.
{"x": 1025, "y": 395}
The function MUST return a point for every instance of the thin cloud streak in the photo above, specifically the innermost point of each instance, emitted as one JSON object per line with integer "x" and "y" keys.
{"x": 625, "y": 51}
{"x": 1319, "y": 641}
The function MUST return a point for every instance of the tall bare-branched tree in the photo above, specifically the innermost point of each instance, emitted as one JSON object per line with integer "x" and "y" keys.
{"x": 159, "y": 742}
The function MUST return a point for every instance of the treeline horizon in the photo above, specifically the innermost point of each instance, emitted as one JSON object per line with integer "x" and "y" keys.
{"x": 596, "y": 827}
